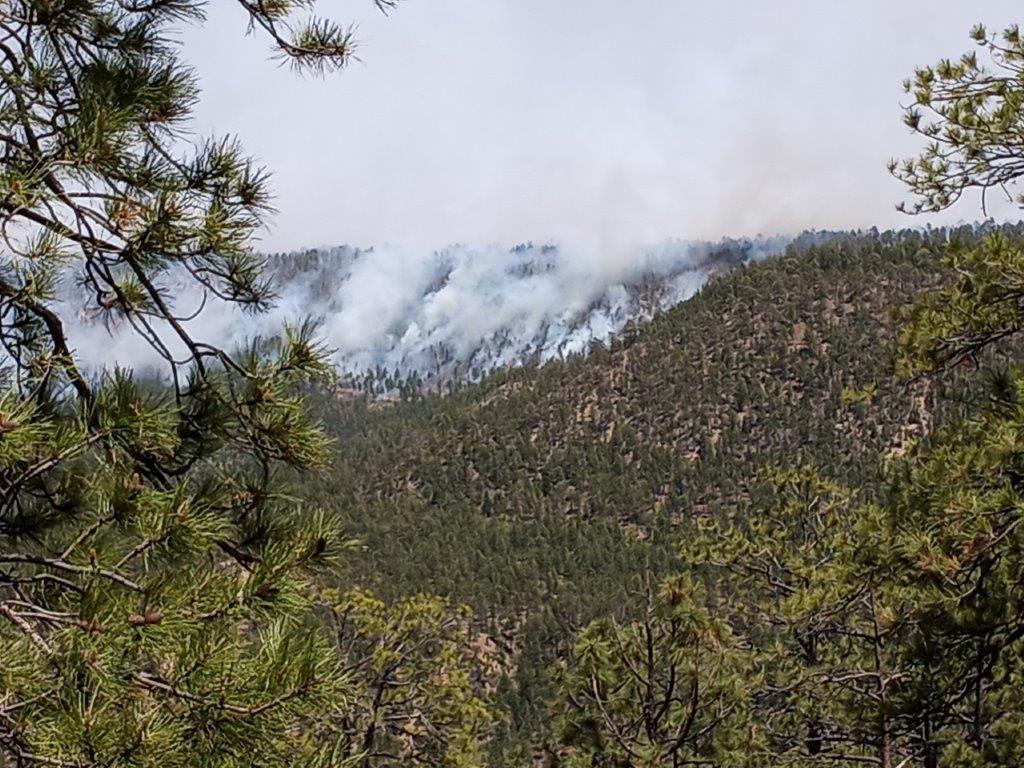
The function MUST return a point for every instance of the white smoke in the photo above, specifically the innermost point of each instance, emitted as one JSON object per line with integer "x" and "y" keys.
{"x": 456, "y": 312}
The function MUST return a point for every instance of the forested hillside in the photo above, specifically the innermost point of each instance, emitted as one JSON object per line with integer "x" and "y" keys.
{"x": 542, "y": 496}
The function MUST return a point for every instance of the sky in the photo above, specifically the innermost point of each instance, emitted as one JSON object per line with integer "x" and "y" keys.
{"x": 600, "y": 123}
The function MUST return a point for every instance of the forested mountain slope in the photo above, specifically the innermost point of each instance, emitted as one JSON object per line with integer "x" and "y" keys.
{"x": 540, "y": 495}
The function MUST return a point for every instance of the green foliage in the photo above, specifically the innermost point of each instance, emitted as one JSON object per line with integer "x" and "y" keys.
{"x": 671, "y": 689}
{"x": 888, "y": 634}
{"x": 971, "y": 113}
{"x": 953, "y": 517}
{"x": 953, "y": 545}
{"x": 420, "y": 680}
{"x": 980, "y": 307}
{"x": 800, "y": 580}
{"x": 156, "y": 580}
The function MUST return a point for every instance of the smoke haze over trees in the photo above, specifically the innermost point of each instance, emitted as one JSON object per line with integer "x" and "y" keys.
{"x": 451, "y": 314}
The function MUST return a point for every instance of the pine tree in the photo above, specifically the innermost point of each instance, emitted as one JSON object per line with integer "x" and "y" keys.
{"x": 969, "y": 111}
{"x": 954, "y": 529}
{"x": 154, "y": 575}
{"x": 800, "y": 579}
{"x": 421, "y": 681}
{"x": 671, "y": 689}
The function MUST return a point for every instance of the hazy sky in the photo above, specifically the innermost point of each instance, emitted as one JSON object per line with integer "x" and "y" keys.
{"x": 601, "y": 122}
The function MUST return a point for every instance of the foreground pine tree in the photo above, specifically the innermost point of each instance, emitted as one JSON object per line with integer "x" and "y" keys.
{"x": 671, "y": 689}
{"x": 154, "y": 608}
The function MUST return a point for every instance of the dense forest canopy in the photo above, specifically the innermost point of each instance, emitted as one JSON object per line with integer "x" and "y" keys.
{"x": 550, "y": 494}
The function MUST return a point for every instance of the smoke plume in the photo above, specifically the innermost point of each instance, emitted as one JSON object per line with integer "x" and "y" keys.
{"x": 458, "y": 312}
